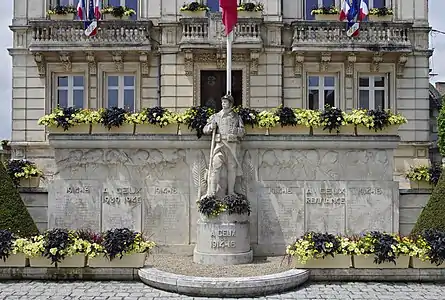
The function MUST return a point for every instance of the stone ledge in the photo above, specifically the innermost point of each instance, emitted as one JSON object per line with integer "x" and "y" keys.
{"x": 405, "y": 275}
{"x": 34, "y": 190}
{"x": 86, "y": 273}
{"x": 224, "y": 286}
{"x": 159, "y": 141}
{"x": 415, "y": 191}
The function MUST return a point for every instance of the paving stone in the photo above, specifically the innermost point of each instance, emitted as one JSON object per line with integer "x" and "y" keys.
{"x": 33, "y": 290}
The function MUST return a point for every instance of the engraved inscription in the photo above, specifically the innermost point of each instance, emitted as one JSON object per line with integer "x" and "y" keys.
{"x": 221, "y": 239}
{"x": 166, "y": 191}
{"x": 366, "y": 191}
{"x": 325, "y": 196}
{"x": 78, "y": 189}
{"x": 280, "y": 190}
{"x": 130, "y": 195}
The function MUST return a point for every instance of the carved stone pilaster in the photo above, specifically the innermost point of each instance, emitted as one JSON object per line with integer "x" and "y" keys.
{"x": 298, "y": 64}
{"x": 403, "y": 59}
{"x": 118, "y": 60}
{"x": 41, "y": 64}
{"x": 65, "y": 58}
{"x": 92, "y": 64}
{"x": 325, "y": 59}
{"x": 352, "y": 58}
{"x": 376, "y": 60}
{"x": 220, "y": 60}
{"x": 188, "y": 63}
{"x": 144, "y": 59}
{"x": 254, "y": 61}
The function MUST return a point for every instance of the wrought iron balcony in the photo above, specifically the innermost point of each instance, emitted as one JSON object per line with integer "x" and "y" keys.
{"x": 209, "y": 33}
{"x": 51, "y": 35}
{"x": 331, "y": 36}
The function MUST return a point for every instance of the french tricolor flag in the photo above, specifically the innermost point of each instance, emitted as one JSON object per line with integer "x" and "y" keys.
{"x": 344, "y": 10}
{"x": 363, "y": 12}
{"x": 97, "y": 9}
{"x": 91, "y": 24}
{"x": 354, "y": 12}
{"x": 81, "y": 11}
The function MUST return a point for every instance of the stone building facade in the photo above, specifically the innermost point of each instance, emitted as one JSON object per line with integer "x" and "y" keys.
{"x": 280, "y": 57}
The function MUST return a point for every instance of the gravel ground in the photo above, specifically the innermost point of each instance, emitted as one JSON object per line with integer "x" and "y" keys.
{"x": 184, "y": 265}
{"x": 111, "y": 290}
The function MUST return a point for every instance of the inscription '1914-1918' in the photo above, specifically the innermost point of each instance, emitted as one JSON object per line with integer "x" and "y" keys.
{"x": 130, "y": 195}
{"x": 221, "y": 239}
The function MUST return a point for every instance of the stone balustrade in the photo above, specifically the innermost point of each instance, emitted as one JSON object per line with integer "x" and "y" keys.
{"x": 50, "y": 35}
{"x": 375, "y": 36}
{"x": 202, "y": 32}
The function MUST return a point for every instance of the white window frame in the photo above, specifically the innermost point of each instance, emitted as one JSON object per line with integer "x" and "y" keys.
{"x": 128, "y": 68}
{"x": 321, "y": 88}
{"x": 372, "y": 88}
{"x": 121, "y": 88}
{"x": 70, "y": 88}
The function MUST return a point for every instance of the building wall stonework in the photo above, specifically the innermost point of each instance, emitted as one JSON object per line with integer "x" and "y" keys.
{"x": 275, "y": 61}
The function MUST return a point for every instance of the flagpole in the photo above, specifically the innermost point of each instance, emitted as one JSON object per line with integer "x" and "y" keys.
{"x": 229, "y": 63}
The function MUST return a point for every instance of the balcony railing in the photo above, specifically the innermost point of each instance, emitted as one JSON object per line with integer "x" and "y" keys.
{"x": 70, "y": 35}
{"x": 209, "y": 32}
{"x": 325, "y": 36}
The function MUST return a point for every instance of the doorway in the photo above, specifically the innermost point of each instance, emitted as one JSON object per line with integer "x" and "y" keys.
{"x": 213, "y": 88}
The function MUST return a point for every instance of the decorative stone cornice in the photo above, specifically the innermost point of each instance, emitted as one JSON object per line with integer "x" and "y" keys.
{"x": 376, "y": 60}
{"x": 254, "y": 62}
{"x": 65, "y": 58}
{"x": 220, "y": 59}
{"x": 325, "y": 59}
{"x": 92, "y": 64}
{"x": 401, "y": 62}
{"x": 41, "y": 64}
{"x": 351, "y": 60}
{"x": 118, "y": 60}
{"x": 298, "y": 64}
{"x": 144, "y": 59}
{"x": 188, "y": 63}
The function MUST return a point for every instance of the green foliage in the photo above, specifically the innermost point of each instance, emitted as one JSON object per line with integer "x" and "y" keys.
{"x": 441, "y": 129}
{"x": 433, "y": 215}
{"x": 14, "y": 216}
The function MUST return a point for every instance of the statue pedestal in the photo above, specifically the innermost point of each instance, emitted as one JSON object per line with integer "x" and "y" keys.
{"x": 223, "y": 240}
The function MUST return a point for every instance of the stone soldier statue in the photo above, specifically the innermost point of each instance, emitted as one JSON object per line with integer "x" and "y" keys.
{"x": 228, "y": 129}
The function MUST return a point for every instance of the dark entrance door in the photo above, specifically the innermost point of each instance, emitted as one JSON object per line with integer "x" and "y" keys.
{"x": 213, "y": 87}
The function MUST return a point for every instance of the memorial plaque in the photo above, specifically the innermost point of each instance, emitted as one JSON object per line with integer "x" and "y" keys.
{"x": 166, "y": 212}
{"x": 325, "y": 206}
{"x": 280, "y": 212}
{"x": 74, "y": 204}
{"x": 122, "y": 205}
{"x": 370, "y": 206}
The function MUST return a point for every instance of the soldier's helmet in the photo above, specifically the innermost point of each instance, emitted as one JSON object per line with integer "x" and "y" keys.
{"x": 229, "y": 98}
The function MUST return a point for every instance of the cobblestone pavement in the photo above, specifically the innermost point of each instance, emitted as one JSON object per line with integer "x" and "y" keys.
{"x": 136, "y": 290}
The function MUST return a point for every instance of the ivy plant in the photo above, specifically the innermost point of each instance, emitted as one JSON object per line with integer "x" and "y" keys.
{"x": 441, "y": 129}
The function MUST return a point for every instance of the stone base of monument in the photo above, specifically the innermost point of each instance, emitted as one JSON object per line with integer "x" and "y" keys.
{"x": 223, "y": 240}
{"x": 223, "y": 286}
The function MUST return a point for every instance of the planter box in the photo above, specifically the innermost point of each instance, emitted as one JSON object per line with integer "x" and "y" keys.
{"x": 153, "y": 129}
{"x": 374, "y": 18}
{"x": 193, "y": 14}
{"x": 338, "y": 262}
{"x": 289, "y": 130}
{"x": 367, "y": 262}
{"x": 14, "y": 261}
{"x": 344, "y": 130}
{"x": 420, "y": 185}
{"x": 31, "y": 182}
{"x": 255, "y": 130}
{"x": 418, "y": 264}
{"x": 327, "y": 17}
{"x": 391, "y": 130}
{"x": 110, "y": 17}
{"x": 78, "y": 129}
{"x": 125, "y": 128}
{"x": 41, "y": 262}
{"x": 75, "y": 261}
{"x": 250, "y": 14}
{"x": 67, "y": 17}
{"x": 184, "y": 130}
{"x": 136, "y": 260}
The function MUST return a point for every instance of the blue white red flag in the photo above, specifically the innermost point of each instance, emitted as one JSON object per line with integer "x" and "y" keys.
{"x": 354, "y": 11}
{"x": 91, "y": 24}
{"x": 81, "y": 11}
{"x": 97, "y": 9}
